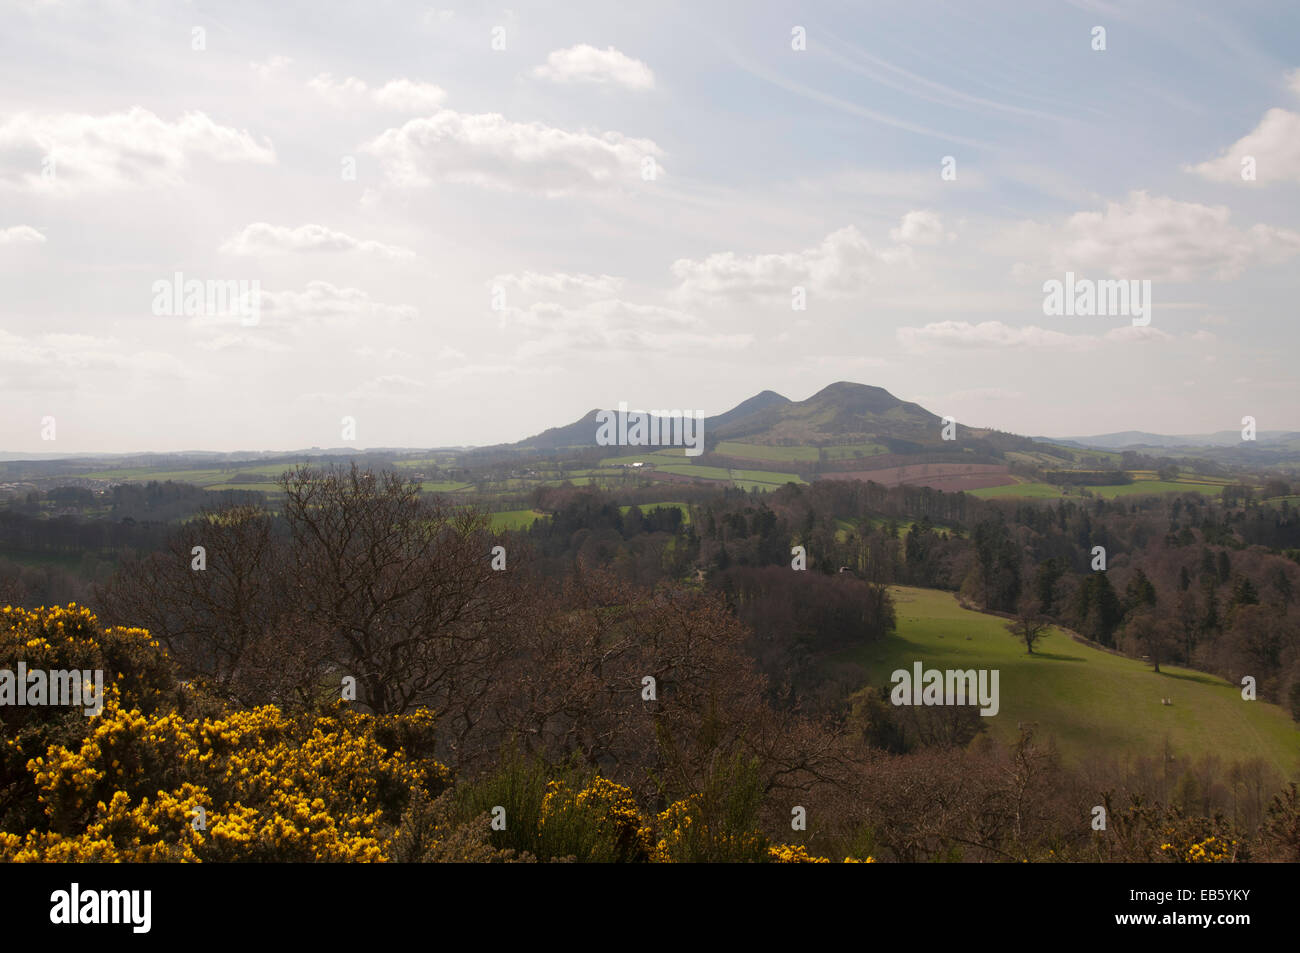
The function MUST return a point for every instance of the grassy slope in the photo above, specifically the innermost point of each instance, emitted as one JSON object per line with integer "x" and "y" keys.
{"x": 752, "y": 451}
{"x": 1089, "y": 700}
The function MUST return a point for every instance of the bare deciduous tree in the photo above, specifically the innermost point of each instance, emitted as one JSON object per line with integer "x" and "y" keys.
{"x": 1029, "y": 624}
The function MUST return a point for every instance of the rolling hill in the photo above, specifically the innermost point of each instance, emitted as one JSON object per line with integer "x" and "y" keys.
{"x": 844, "y": 431}
{"x": 1094, "y": 704}
{"x": 843, "y": 413}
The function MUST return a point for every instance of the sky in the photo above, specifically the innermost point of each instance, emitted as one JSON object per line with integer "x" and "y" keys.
{"x": 463, "y": 225}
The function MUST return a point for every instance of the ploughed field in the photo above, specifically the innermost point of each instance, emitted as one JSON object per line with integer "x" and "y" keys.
{"x": 949, "y": 477}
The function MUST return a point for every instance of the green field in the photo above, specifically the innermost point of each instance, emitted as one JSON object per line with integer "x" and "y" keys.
{"x": 753, "y": 451}
{"x": 745, "y": 479}
{"x": 576, "y": 481}
{"x": 853, "y": 451}
{"x": 1145, "y": 487}
{"x": 666, "y": 455}
{"x": 145, "y": 474}
{"x": 692, "y": 470}
{"x": 1182, "y": 478}
{"x": 766, "y": 476}
{"x": 515, "y": 519}
{"x": 210, "y": 479}
{"x": 260, "y": 487}
{"x": 1139, "y": 487}
{"x": 593, "y": 471}
{"x": 1092, "y": 702}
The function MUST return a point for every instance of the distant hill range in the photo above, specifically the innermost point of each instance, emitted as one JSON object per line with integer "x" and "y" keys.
{"x": 845, "y": 431}
{"x": 843, "y": 413}
{"x": 857, "y": 431}
{"x": 846, "y": 413}
{"x": 1140, "y": 440}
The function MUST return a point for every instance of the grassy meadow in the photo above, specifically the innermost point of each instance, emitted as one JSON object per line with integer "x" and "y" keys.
{"x": 1092, "y": 702}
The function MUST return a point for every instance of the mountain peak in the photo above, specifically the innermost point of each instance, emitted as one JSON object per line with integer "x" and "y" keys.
{"x": 852, "y": 389}
{"x": 760, "y": 402}
{"x": 855, "y": 398}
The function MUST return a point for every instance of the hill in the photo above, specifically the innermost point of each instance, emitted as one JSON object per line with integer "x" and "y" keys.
{"x": 582, "y": 432}
{"x": 1141, "y": 440}
{"x": 843, "y": 413}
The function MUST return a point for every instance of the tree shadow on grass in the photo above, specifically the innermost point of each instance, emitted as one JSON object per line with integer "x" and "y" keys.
{"x": 1200, "y": 677}
{"x": 1057, "y": 657}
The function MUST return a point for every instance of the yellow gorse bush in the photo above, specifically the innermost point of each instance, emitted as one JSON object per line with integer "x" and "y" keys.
{"x": 684, "y": 836}
{"x": 272, "y": 788}
{"x": 125, "y": 785}
{"x": 1212, "y": 850}
{"x": 609, "y": 810}
{"x": 793, "y": 854}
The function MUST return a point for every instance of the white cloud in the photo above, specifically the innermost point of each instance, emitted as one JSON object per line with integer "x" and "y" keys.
{"x": 322, "y": 303}
{"x": 261, "y": 238}
{"x": 490, "y": 151}
{"x": 271, "y": 66}
{"x": 836, "y": 365}
{"x": 388, "y": 387}
{"x": 408, "y": 96}
{"x": 1274, "y": 145}
{"x": 586, "y": 64}
{"x": 29, "y": 362}
{"x": 1164, "y": 239}
{"x": 843, "y": 263}
{"x": 399, "y": 95}
{"x": 250, "y": 342}
{"x": 997, "y": 335}
{"x": 921, "y": 228}
{"x": 392, "y": 355}
{"x": 20, "y": 235}
{"x": 116, "y": 150}
{"x": 444, "y": 375}
{"x": 1126, "y": 333}
{"x": 343, "y": 92}
{"x": 614, "y": 325}
{"x": 535, "y": 284}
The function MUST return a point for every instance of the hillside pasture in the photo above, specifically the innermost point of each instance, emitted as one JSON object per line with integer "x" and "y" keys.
{"x": 1093, "y": 703}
